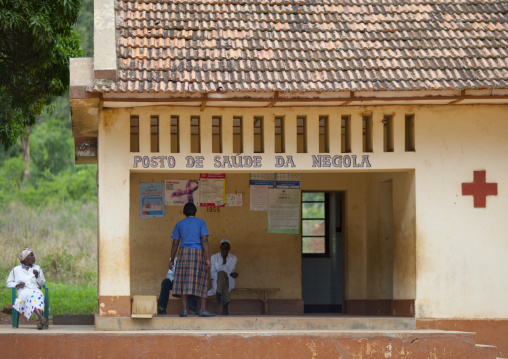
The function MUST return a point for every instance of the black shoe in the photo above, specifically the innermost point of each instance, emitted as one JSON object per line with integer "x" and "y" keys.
{"x": 225, "y": 310}
{"x": 161, "y": 311}
{"x": 217, "y": 299}
{"x": 183, "y": 314}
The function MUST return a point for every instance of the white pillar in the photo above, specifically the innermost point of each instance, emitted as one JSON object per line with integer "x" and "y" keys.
{"x": 113, "y": 201}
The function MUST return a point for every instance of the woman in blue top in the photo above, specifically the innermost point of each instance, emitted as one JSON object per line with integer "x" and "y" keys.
{"x": 193, "y": 259}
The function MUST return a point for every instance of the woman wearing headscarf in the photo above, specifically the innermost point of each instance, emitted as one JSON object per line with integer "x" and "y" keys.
{"x": 28, "y": 278}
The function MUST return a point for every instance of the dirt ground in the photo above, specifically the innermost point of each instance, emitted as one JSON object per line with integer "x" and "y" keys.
{"x": 6, "y": 319}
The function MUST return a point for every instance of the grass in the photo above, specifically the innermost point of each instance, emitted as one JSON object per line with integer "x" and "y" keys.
{"x": 64, "y": 298}
{"x": 64, "y": 241}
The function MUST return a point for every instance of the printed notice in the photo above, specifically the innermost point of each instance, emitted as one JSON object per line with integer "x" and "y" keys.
{"x": 262, "y": 179}
{"x": 234, "y": 199}
{"x": 151, "y": 200}
{"x": 259, "y": 198}
{"x": 283, "y": 210}
{"x": 288, "y": 180}
{"x": 212, "y": 190}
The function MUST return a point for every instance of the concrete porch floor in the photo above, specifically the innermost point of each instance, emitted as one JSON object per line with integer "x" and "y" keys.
{"x": 256, "y": 322}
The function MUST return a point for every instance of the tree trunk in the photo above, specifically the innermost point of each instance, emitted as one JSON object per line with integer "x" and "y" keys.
{"x": 25, "y": 149}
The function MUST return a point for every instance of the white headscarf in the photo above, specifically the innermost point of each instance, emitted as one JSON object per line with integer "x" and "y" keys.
{"x": 25, "y": 253}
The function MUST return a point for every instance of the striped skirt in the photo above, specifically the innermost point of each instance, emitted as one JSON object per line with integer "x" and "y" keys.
{"x": 190, "y": 273}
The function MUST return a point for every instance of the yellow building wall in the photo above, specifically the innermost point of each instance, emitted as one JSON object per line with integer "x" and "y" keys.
{"x": 265, "y": 260}
{"x": 461, "y": 250}
{"x": 448, "y": 255}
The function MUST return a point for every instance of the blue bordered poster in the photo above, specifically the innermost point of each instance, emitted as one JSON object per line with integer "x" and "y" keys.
{"x": 151, "y": 200}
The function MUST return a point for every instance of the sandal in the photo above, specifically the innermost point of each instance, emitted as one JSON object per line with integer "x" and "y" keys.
{"x": 204, "y": 313}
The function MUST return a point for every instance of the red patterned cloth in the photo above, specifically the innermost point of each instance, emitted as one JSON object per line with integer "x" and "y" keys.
{"x": 190, "y": 273}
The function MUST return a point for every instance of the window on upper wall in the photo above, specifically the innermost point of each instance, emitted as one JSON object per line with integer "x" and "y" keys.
{"x": 279, "y": 134}
{"x": 367, "y": 133}
{"x": 217, "y": 134}
{"x": 345, "y": 134}
{"x": 237, "y": 135}
{"x": 258, "y": 135}
{"x": 195, "y": 134}
{"x": 301, "y": 134}
{"x": 410, "y": 132}
{"x": 134, "y": 134}
{"x": 154, "y": 134}
{"x": 388, "y": 133}
{"x": 175, "y": 134}
{"x": 324, "y": 139}
{"x": 315, "y": 224}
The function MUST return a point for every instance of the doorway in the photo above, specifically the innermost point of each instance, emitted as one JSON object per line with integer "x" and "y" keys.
{"x": 322, "y": 252}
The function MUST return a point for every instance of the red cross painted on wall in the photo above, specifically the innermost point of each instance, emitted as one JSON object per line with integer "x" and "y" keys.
{"x": 479, "y": 189}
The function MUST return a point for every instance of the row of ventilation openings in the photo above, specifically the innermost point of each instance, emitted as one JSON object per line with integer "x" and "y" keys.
{"x": 301, "y": 136}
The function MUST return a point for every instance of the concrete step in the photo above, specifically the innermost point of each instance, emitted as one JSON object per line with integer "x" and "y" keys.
{"x": 86, "y": 342}
{"x": 486, "y": 351}
{"x": 256, "y": 323}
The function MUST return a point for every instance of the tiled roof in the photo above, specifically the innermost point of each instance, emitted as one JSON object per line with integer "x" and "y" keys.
{"x": 201, "y": 46}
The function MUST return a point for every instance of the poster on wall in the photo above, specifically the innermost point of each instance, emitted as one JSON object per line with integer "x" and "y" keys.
{"x": 283, "y": 210}
{"x": 212, "y": 190}
{"x": 151, "y": 200}
{"x": 287, "y": 180}
{"x": 234, "y": 199}
{"x": 262, "y": 179}
{"x": 259, "y": 198}
{"x": 181, "y": 192}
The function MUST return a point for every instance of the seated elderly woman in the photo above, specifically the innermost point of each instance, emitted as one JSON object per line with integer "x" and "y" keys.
{"x": 28, "y": 279}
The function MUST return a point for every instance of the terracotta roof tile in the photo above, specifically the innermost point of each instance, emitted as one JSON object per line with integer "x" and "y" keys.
{"x": 309, "y": 45}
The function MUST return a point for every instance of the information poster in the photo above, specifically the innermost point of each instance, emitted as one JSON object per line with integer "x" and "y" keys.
{"x": 151, "y": 200}
{"x": 212, "y": 190}
{"x": 287, "y": 180}
{"x": 180, "y": 192}
{"x": 259, "y": 198}
{"x": 262, "y": 179}
{"x": 234, "y": 200}
{"x": 283, "y": 210}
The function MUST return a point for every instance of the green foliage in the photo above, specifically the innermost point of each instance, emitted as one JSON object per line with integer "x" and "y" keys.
{"x": 55, "y": 211}
{"x": 51, "y": 142}
{"x": 11, "y": 175}
{"x": 78, "y": 185}
{"x": 68, "y": 298}
{"x": 36, "y": 40}
{"x": 64, "y": 240}
{"x": 54, "y": 177}
{"x": 63, "y": 267}
{"x": 84, "y": 27}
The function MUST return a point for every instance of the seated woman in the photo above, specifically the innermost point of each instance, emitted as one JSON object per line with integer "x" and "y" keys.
{"x": 28, "y": 279}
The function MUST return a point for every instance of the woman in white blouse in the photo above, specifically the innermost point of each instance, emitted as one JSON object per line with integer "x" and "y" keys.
{"x": 28, "y": 279}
